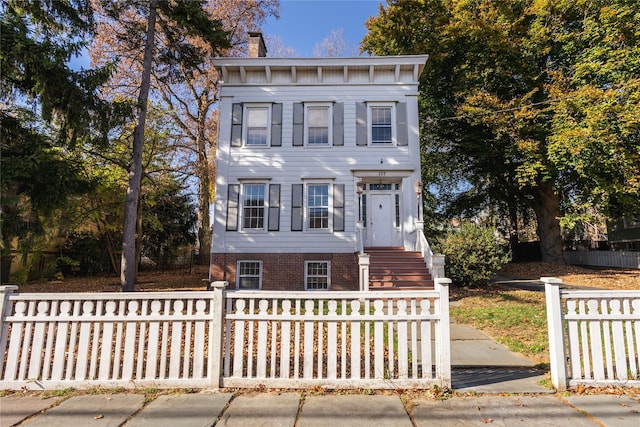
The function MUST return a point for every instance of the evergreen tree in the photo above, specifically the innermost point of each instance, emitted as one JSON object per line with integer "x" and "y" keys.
{"x": 46, "y": 108}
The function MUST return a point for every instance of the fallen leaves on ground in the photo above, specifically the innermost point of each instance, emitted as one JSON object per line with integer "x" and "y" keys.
{"x": 595, "y": 277}
{"x": 189, "y": 279}
{"x": 194, "y": 279}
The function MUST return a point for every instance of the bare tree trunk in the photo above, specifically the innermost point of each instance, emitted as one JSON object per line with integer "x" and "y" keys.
{"x": 128, "y": 269}
{"x": 204, "y": 183}
{"x": 138, "y": 240}
{"x": 547, "y": 208}
{"x": 514, "y": 238}
{"x": 111, "y": 248}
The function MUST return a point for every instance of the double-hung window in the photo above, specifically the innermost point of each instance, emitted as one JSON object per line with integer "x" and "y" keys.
{"x": 318, "y": 206}
{"x": 249, "y": 275}
{"x": 318, "y": 128}
{"x": 317, "y": 275}
{"x": 253, "y": 206}
{"x": 257, "y": 125}
{"x": 381, "y": 124}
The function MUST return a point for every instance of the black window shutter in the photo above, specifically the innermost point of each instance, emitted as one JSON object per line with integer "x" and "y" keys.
{"x": 232, "y": 207}
{"x": 236, "y": 125}
{"x": 276, "y": 125}
{"x": 402, "y": 133}
{"x": 361, "y": 123}
{"x": 338, "y": 207}
{"x": 338, "y": 124}
{"x": 298, "y": 124}
{"x": 274, "y": 207}
{"x": 296, "y": 206}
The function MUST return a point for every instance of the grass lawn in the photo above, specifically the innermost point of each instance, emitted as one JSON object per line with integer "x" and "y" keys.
{"x": 517, "y": 318}
{"x": 514, "y": 318}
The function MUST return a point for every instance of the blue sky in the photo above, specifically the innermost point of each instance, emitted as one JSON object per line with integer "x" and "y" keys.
{"x": 304, "y": 23}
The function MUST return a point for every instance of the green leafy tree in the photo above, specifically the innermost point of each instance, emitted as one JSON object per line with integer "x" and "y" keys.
{"x": 526, "y": 104}
{"x": 102, "y": 211}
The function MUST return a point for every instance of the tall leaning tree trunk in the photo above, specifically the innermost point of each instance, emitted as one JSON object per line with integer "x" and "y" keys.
{"x": 204, "y": 184}
{"x": 547, "y": 209}
{"x": 128, "y": 268}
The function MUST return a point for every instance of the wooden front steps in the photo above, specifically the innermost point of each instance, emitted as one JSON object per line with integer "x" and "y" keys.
{"x": 395, "y": 269}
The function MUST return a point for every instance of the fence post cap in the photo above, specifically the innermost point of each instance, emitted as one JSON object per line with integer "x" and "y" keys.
{"x": 219, "y": 284}
{"x": 551, "y": 280}
{"x": 443, "y": 281}
{"x": 8, "y": 288}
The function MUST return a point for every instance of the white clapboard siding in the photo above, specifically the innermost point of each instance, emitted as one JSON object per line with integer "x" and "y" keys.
{"x": 287, "y": 164}
{"x": 594, "y": 336}
{"x": 111, "y": 339}
{"x": 336, "y": 339}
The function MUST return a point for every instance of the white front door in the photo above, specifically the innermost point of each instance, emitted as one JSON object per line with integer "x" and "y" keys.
{"x": 381, "y": 221}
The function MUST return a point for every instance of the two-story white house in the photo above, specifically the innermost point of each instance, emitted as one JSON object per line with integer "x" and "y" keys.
{"x": 317, "y": 159}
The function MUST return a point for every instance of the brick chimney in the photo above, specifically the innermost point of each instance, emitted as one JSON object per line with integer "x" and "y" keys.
{"x": 257, "y": 48}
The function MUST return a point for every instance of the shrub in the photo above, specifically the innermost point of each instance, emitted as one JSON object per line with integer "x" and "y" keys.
{"x": 472, "y": 253}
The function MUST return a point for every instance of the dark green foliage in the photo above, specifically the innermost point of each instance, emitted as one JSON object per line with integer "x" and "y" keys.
{"x": 36, "y": 178}
{"x": 169, "y": 222}
{"x": 46, "y": 108}
{"x": 84, "y": 254}
{"x": 472, "y": 254}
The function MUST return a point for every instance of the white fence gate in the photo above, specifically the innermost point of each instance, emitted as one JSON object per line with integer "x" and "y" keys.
{"x": 229, "y": 339}
{"x": 594, "y": 336}
{"x": 330, "y": 339}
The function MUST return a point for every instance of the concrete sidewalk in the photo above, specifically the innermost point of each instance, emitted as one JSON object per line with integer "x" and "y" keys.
{"x": 481, "y": 365}
{"x": 301, "y": 410}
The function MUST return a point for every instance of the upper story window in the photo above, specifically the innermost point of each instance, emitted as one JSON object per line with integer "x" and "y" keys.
{"x": 381, "y": 129}
{"x": 256, "y": 125}
{"x": 257, "y": 119}
{"x": 253, "y": 206}
{"x": 381, "y": 124}
{"x": 318, "y": 125}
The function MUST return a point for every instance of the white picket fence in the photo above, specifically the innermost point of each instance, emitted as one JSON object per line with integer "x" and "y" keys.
{"x": 619, "y": 259}
{"x": 109, "y": 339}
{"x": 594, "y": 336}
{"x": 225, "y": 338}
{"x": 336, "y": 340}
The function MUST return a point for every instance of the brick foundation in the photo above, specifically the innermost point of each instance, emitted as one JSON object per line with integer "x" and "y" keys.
{"x": 285, "y": 272}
